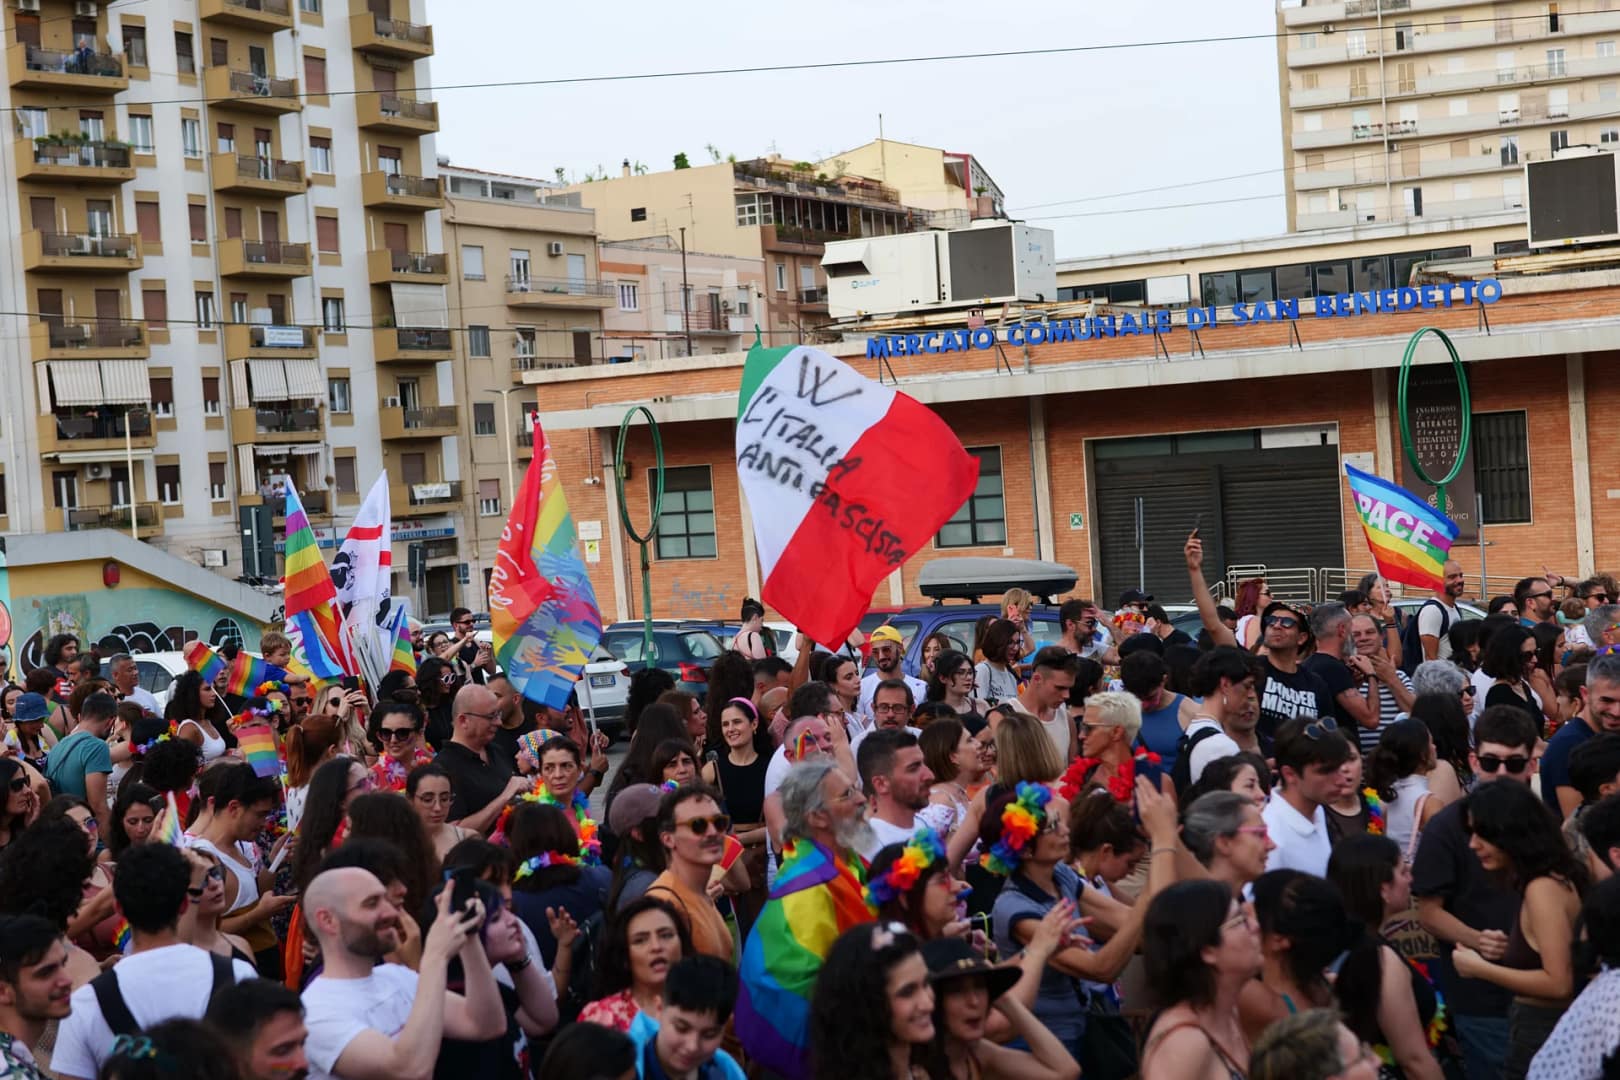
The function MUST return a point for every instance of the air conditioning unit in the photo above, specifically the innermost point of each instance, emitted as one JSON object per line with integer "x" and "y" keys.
{"x": 27, "y": 5}
{"x": 85, "y": 9}
{"x": 554, "y": 248}
{"x": 97, "y": 470}
{"x": 390, "y": 402}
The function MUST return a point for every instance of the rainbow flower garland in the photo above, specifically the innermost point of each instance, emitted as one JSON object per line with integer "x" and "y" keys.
{"x": 1121, "y": 785}
{"x": 1375, "y": 811}
{"x": 590, "y": 844}
{"x": 925, "y": 851}
{"x": 265, "y": 689}
{"x": 1021, "y": 821}
{"x": 539, "y": 862}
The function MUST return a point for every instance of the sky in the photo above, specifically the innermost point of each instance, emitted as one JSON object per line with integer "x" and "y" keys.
{"x": 1088, "y": 130}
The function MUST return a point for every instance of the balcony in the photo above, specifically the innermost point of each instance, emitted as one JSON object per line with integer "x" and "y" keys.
{"x": 407, "y": 267}
{"x": 83, "y": 518}
{"x": 411, "y": 345}
{"x": 813, "y": 298}
{"x": 396, "y": 191}
{"x": 263, "y": 259}
{"x": 246, "y": 174}
{"x": 245, "y": 90}
{"x": 86, "y": 72}
{"x": 96, "y": 429}
{"x": 274, "y": 423}
{"x": 1326, "y": 178}
{"x": 80, "y": 252}
{"x": 408, "y": 500}
{"x": 431, "y": 422}
{"x": 706, "y": 316}
{"x": 523, "y": 363}
{"x": 575, "y": 293}
{"x": 245, "y": 341}
{"x": 374, "y": 33}
{"x": 266, "y": 15}
{"x": 396, "y": 114}
{"x": 316, "y": 503}
{"x": 74, "y": 162}
{"x": 100, "y": 340}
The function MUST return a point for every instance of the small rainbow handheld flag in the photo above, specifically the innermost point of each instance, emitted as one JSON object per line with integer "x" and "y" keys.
{"x": 258, "y": 745}
{"x": 203, "y": 660}
{"x": 1409, "y": 538}
{"x": 404, "y": 657}
{"x": 247, "y": 673}
{"x": 313, "y": 622}
{"x": 172, "y": 832}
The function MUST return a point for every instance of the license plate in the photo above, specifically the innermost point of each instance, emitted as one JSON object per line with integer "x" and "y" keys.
{"x": 601, "y": 680}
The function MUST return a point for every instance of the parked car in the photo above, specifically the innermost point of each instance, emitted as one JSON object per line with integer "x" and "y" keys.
{"x": 1408, "y": 607}
{"x": 957, "y": 622}
{"x": 158, "y": 671}
{"x": 604, "y": 692}
{"x": 683, "y": 650}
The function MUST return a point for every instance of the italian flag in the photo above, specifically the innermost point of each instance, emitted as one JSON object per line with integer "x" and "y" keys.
{"x": 846, "y": 480}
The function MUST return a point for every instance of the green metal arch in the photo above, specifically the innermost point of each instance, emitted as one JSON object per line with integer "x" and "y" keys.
{"x": 619, "y": 472}
{"x": 1406, "y": 424}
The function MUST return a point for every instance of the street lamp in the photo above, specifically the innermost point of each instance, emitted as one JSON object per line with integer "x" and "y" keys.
{"x": 511, "y": 437}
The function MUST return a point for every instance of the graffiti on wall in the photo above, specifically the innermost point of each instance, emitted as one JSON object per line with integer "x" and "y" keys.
{"x": 126, "y": 620}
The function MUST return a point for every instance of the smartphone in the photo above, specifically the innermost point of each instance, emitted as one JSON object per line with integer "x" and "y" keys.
{"x": 463, "y": 885}
{"x": 1198, "y": 523}
{"x": 351, "y": 682}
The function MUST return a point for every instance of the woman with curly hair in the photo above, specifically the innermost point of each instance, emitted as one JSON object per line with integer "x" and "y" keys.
{"x": 170, "y": 767}
{"x": 872, "y": 1015}
{"x": 641, "y": 944}
{"x": 1398, "y": 771}
{"x": 436, "y": 688}
{"x": 385, "y": 815}
{"x": 730, "y": 676}
{"x": 197, "y": 715}
{"x": 42, "y": 872}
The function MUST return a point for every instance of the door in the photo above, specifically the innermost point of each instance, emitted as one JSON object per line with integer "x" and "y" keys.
{"x": 239, "y": 307}
{"x": 26, "y": 27}
{"x": 65, "y": 483}
{"x": 264, "y": 148}
{"x": 384, "y": 80}
{"x": 576, "y": 272}
{"x": 109, "y": 312}
{"x": 42, "y": 212}
{"x": 441, "y": 588}
{"x": 278, "y": 309}
{"x": 396, "y": 237}
{"x": 227, "y": 138}
{"x": 219, "y": 52}
{"x": 413, "y": 467}
{"x": 379, "y": 8}
{"x": 50, "y": 306}
{"x": 269, "y": 226}
{"x": 410, "y": 395}
{"x": 233, "y": 223}
{"x": 98, "y": 214}
{"x": 92, "y": 125}
{"x": 256, "y": 62}
{"x": 582, "y": 346}
{"x": 518, "y": 267}
{"x": 120, "y": 487}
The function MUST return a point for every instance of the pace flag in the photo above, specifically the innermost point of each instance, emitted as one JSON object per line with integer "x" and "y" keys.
{"x": 542, "y": 609}
{"x": 846, "y": 480}
{"x": 1409, "y": 538}
{"x": 313, "y": 623}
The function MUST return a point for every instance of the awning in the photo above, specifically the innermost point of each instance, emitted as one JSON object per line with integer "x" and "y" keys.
{"x": 304, "y": 379}
{"x": 268, "y": 379}
{"x": 76, "y": 382}
{"x": 125, "y": 382}
{"x": 80, "y": 457}
{"x": 420, "y": 306}
{"x": 296, "y": 450}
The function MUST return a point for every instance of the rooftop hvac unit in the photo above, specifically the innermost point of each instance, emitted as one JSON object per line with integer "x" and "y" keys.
{"x": 27, "y": 5}
{"x": 85, "y": 9}
{"x": 554, "y": 248}
{"x": 390, "y": 402}
{"x": 1573, "y": 198}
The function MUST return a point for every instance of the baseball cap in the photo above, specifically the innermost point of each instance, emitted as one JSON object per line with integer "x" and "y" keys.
{"x": 30, "y": 707}
{"x": 1210, "y": 749}
{"x": 635, "y": 804}
{"x": 1134, "y": 596}
{"x": 1295, "y": 610}
{"x": 886, "y": 633}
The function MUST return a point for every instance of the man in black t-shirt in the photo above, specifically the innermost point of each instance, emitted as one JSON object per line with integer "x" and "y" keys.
{"x": 1287, "y": 691}
{"x": 481, "y": 780}
{"x": 1335, "y": 662}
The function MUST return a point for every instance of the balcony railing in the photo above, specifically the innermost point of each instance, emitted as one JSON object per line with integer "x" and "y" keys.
{"x": 559, "y": 286}
{"x": 315, "y": 502}
{"x": 399, "y": 30}
{"x": 416, "y": 187}
{"x": 275, "y": 251}
{"x": 433, "y": 492}
{"x": 64, "y": 245}
{"x": 812, "y": 296}
{"x": 271, "y": 421}
{"x": 106, "y": 334}
{"x": 281, "y": 337}
{"x": 249, "y": 165}
{"x": 249, "y": 84}
{"x": 532, "y": 362}
{"x": 704, "y": 315}
{"x": 269, "y": 7}
{"x": 436, "y": 416}
{"x": 804, "y": 234}
{"x": 88, "y": 155}
{"x": 102, "y": 423}
{"x": 808, "y": 185}
{"x": 417, "y": 262}
{"x": 80, "y": 518}
{"x": 76, "y": 62}
{"x": 418, "y": 340}
{"x": 405, "y": 108}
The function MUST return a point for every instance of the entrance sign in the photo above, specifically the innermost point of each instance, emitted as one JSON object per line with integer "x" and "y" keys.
{"x": 1441, "y": 429}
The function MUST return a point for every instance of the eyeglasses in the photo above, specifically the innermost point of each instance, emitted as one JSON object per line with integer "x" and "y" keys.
{"x": 1537, "y": 595}
{"x": 464, "y": 622}
{"x": 1322, "y": 728}
{"x": 1087, "y": 729}
{"x": 700, "y": 826}
{"x": 1287, "y": 622}
{"x": 888, "y": 709}
{"x": 214, "y": 874}
{"x": 19, "y": 783}
{"x": 490, "y": 716}
{"x": 391, "y": 734}
{"x": 1515, "y": 763}
{"x": 89, "y": 824}
{"x": 1467, "y": 690}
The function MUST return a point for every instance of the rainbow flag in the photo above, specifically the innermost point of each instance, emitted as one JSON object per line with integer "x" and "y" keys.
{"x": 243, "y": 672}
{"x": 542, "y": 609}
{"x": 313, "y": 622}
{"x": 258, "y": 744}
{"x": 404, "y": 657}
{"x": 1409, "y": 538}
{"x": 173, "y": 832}
{"x": 122, "y": 936}
{"x": 203, "y": 660}
{"x": 818, "y": 896}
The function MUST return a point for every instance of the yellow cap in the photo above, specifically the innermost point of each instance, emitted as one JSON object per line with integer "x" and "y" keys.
{"x": 885, "y": 633}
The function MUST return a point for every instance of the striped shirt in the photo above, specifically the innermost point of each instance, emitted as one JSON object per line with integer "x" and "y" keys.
{"x": 1389, "y": 710}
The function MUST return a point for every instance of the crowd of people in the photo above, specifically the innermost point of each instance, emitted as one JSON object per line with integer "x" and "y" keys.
{"x": 1318, "y": 841}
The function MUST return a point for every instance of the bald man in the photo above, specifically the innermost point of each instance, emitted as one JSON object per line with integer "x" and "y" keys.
{"x": 373, "y": 1021}
{"x": 481, "y": 782}
{"x": 1438, "y": 615}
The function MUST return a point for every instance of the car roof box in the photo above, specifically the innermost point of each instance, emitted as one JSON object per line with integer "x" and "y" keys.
{"x": 970, "y": 577}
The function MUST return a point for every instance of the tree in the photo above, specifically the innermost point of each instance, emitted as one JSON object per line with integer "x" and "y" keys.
{"x": 681, "y": 162}
{"x": 560, "y": 173}
{"x": 714, "y": 152}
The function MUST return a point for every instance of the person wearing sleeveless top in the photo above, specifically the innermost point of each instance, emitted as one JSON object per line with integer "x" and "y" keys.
{"x": 1397, "y": 770}
{"x": 1201, "y": 946}
{"x": 197, "y": 715}
{"x": 1165, "y": 714}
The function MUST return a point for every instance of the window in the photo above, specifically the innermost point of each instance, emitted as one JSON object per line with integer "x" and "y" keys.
{"x": 1412, "y": 198}
{"x": 686, "y": 526}
{"x": 337, "y": 395}
{"x": 191, "y": 137}
{"x": 314, "y": 74}
{"x": 1552, "y": 18}
{"x": 1406, "y": 78}
{"x": 517, "y": 265}
{"x": 744, "y": 295}
{"x": 1605, "y": 48}
{"x": 1355, "y": 43}
{"x": 1502, "y": 466}
{"x": 216, "y": 481}
{"x": 389, "y": 160}
{"x": 65, "y": 486}
{"x": 162, "y": 391}
{"x": 34, "y": 123}
{"x": 1462, "y": 191}
{"x": 185, "y": 57}
{"x": 1403, "y": 37}
{"x": 483, "y": 418}
{"x": 344, "y": 477}
{"x": 1558, "y": 140}
{"x": 1510, "y": 150}
{"x": 140, "y": 134}
{"x": 1609, "y": 135}
{"x": 1558, "y": 102}
{"x": 1555, "y": 63}
{"x": 168, "y": 484}
{"x": 205, "y": 311}
{"x": 326, "y": 234}
{"x": 477, "y": 341}
{"x": 198, "y": 216}
{"x": 1460, "y": 149}
{"x": 210, "y": 395}
{"x": 472, "y": 262}
{"x": 147, "y": 223}
{"x": 155, "y": 306}
{"x": 1512, "y": 192}
{"x": 135, "y": 45}
{"x": 92, "y": 125}
{"x": 983, "y": 518}
{"x": 748, "y": 210}
{"x": 629, "y": 296}
{"x": 1608, "y": 91}
{"x": 489, "y": 498}
{"x": 1457, "y": 107}
{"x": 523, "y": 343}
{"x": 332, "y": 315}
{"x": 1306, "y": 41}
{"x": 320, "y": 154}
{"x": 781, "y": 277}
{"x": 1510, "y": 247}
{"x": 1309, "y": 80}
{"x": 638, "y": 213}
{"x": 313, "y": 7}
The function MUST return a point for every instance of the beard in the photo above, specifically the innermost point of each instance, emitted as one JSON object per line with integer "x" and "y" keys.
{"x": 372, "y": 941}
{"x": 856, "y": 834}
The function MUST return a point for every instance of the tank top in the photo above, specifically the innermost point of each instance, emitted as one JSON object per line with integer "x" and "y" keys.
{"x": 1161, "y": 730}
{"x": 743, "y": 786}
{"x": 212, "y": 746}
{"x": 1520, "y": 953}
{"x": 247, "y": 883}
{"x": 1400, "y": 816}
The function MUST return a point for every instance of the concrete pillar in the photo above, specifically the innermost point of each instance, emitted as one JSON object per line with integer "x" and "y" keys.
{"x": 614, "y": 529}
{"x": 1383, "y": 446}
{"x": 1581, "y": 462}
{"x": 1046, "y": 542}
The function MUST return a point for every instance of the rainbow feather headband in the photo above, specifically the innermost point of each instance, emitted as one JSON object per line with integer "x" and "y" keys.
{"x": 924, "y": 852}
{"x": 1021, "y": 822}
{"x": 536, "y": 863}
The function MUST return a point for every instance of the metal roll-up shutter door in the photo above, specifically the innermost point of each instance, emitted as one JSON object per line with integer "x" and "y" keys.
{"x": 1280, "y": 508}
{"x": 1174, "y": 494}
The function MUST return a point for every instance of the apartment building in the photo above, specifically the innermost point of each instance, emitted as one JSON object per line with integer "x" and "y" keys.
{"x": 771, "y": 208}
{"x": 957, "y": 187}
{"x": 674, "y": 303}
{"x": 1424, "y": 110}
{"x": 212, "y": 312}
{"x": 528, "y": 293}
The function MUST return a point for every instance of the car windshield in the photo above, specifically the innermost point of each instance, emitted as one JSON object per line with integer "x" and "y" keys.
{"x": 702, "y": 645}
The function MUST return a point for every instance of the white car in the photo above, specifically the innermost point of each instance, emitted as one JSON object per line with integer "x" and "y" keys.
{"x": 785, "y": 634}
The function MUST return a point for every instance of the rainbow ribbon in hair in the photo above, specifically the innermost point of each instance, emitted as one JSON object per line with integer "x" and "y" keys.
{"x": 922, "y": 853}
{"x": 1021, "y": 822}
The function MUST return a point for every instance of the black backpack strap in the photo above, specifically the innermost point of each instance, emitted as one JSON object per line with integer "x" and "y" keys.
{"x": 114, "y": 1010}
{"x": 224, "y": 974}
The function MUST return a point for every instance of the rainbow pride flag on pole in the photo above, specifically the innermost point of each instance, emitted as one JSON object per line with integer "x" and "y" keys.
{"x": 818, "y": 896}
{"x": 173, "y": 832}
{"x": 243, "y": 673}
{"x": 403, "y": 656}
{"x": 313, "y": 622}
{"x": 258, "y": 744}
{"x": 203, "y": 660}
{"x": 1409, "y": 538}
{"x": 542, "y": 609}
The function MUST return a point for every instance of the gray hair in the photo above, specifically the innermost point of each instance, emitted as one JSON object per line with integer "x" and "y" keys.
{"x": 118, "y": 658}
{"x": 1438, "y": 677}
{"x": 1598, "y": 620}
{"x": 1212, "y": 814}
{"x": 802, "y": 795}
{"x": 1605, "y": 667}
{"x": 1326, "y": 619}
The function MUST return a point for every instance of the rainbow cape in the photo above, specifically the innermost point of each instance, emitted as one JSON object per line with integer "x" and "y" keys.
{"x": 818, "y": 896}
{"x": 243, "y": 673}
{"x": 1409, "y": 538}
{"x": 313, "y": 622}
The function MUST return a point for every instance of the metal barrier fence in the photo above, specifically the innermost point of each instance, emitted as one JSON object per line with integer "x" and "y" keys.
{"x": 1314, "y": 585}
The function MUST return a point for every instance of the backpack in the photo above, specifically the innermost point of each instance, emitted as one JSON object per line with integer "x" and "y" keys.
{"x": 1412, "y": 640}
{"x": 582, "y": 974}
{"x": 115, "y": 1010}
{"x": 1181, "y": 773}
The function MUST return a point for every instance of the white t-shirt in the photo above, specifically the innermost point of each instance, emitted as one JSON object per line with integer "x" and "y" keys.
{"x": 869, "y": 685}
{"x": 1058, "y": 729}
{"x": 336, "y": 1011}
{"x": 1430, "y": 618}
{"x": 172, "y": 982}
{"x": 1302, "y": 843}
{"x": 884, "y": 834}
{"x": 855, "y": 745}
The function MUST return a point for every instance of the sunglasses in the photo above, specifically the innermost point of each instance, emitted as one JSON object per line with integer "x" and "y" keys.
{"x": 19, "y": 783}
{"x": 1322, "y": 728}
{"x": 1515, "y": 763}
{"x": 1287, "y": 622}
{"x": 700, "y": 826}
{"x": 214, "y": 874}
{"x": 391, "y": 734}
{"x": 1600, "y": 597}
{"x": 1537, "y": 595}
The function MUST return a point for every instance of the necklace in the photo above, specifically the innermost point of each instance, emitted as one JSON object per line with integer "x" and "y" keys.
{"x": 1121, "y": 785}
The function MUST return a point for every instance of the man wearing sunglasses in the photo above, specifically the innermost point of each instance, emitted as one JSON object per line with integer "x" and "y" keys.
{"x": 1460, "y": 904}
{"x": 693, "y": 831}
{"x": 1288, "y": 691}
{"x": 1536, "y": 600}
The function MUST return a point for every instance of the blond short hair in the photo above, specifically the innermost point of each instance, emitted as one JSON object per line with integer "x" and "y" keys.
{"x": 1024, "y": 752}
{"x": 1118, "y": 709}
